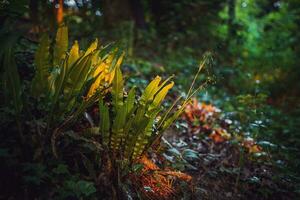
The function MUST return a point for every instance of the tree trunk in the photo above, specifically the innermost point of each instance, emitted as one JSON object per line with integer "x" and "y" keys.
{"x": 59, "y": 11}
{"x": 115, "y": 11}
{"x": 138, "y": 13}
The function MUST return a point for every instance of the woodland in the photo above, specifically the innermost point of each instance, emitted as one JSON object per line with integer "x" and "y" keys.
{"x": 150, "y": 99}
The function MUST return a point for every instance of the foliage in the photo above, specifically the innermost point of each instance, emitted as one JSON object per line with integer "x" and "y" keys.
{"x": 130, "y": 139}
{"x": 129, "y": 125}
{"x": 10, "y": 80}
{"x": 64, "y": 77}
{"x": 64, "y": 85}
{"x": 241, "y": 141}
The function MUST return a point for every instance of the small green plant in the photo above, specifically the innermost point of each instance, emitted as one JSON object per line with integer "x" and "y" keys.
{"x": 70, "y": 81}
{"x": 129, "y": 125}
{"x": 65, "y": 83}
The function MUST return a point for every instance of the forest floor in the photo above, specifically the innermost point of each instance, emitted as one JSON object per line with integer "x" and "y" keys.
{"x": 223, "y": 165}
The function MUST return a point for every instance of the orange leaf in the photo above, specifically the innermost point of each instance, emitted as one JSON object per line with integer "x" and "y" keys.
{"x": 216, "y": 137}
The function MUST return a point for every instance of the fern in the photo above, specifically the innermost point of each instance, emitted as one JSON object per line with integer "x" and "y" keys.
{"x": 132, "y": 125}
{"x": 65, "y": 76}
{"x": 74, "y": 80}
{"x": 132, "y": 122}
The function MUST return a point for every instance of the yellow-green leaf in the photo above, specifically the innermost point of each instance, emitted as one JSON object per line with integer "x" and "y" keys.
{"x": 117, "y": 89}
{"x": 92, "y": 47}
{"x": 129, "y": 103}
{"x": 159, "y": 97}
{"x": 74, "y": 54}
{"x": 59, "y": 82}
{"x": 40, "y": 82}
{"x": 118, "y": 128}
{"x": 150, "y": 90}
{"x": 61, "y": 45}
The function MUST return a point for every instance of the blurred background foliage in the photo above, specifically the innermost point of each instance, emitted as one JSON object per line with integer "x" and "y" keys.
{"x": 253, "y": 48}
{"x": 253, "y": 43}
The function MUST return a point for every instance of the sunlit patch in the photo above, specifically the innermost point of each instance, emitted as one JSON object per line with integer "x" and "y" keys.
{"x": 155, "y": 183}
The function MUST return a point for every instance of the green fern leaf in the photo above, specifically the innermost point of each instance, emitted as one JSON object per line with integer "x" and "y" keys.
{"x": 61, "y": 45}
{"x": 59, "y": 82}
{"x": 92, "y": 47}
{"x": 77, "y": 75}
{"x": 118, "y": 128}
{"x": 129, "y": 103}
{"x": 74, "y": 54}
{"x": 40, "y": 82}
{"x": 150, "y": 90}
{"x": 160, "y": 96}
{"x": 117, "y": 89}
{"x": 104, "y": 122}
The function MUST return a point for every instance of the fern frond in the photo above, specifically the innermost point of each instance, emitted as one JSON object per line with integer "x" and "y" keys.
{"x": 40, "y": 82}
{"x": 104, "y": 122}
{"x": 74, "y": 54}
{"x": 61, "y": 45}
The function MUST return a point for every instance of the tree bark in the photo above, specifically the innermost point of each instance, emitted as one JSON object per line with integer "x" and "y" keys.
{"x": 138, "y": 13}
{"x": 115, "y": 11}
{"x": 59, "y": 11}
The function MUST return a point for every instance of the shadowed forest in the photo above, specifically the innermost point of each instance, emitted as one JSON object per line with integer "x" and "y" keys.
{"x": 150, "y": 99}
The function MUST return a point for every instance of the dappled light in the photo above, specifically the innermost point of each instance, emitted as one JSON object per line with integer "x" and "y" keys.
{"x": 154, "y": 100}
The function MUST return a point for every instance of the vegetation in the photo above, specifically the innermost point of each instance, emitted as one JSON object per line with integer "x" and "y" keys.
{"x": 169, "y": 100}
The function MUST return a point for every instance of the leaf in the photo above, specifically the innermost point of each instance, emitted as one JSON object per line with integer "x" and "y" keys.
{"x": 59, "y": 82}
{"x": 61, "y": 169}
{"x": 118, "y": 128}
{"x": 150, "y": 90}
{"x": 104, "y": 122}
{"x": 61, "y": 45}
{"x": 143, "y": 121}
{"x": 129, "y": 103}
{"x": 91, "y": 132}
{"x": 87, "y": 188}
{"x": 140, "y": 127}
{"x": 80, "y": 189}
{"x": 143, "y": 139}
{"x": 100, "y": 74}
{"x": 255, "y": 149}
{"x": 174, "y": 152}
{"x": 40, "y": 83}
{"x": 117, "y": 89}
{"x": 41, "y": 59}
{"x": 137, "y": 168}
{"x": 160, "y": 96}
{"x": 219, "y": 135}
{"x": 137, "y": 124}
{"x": 77, "y": 76}
{"x": 74, "y": 54}
{"x": 190, "y": 155}
{"x": 92, "y": 47}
